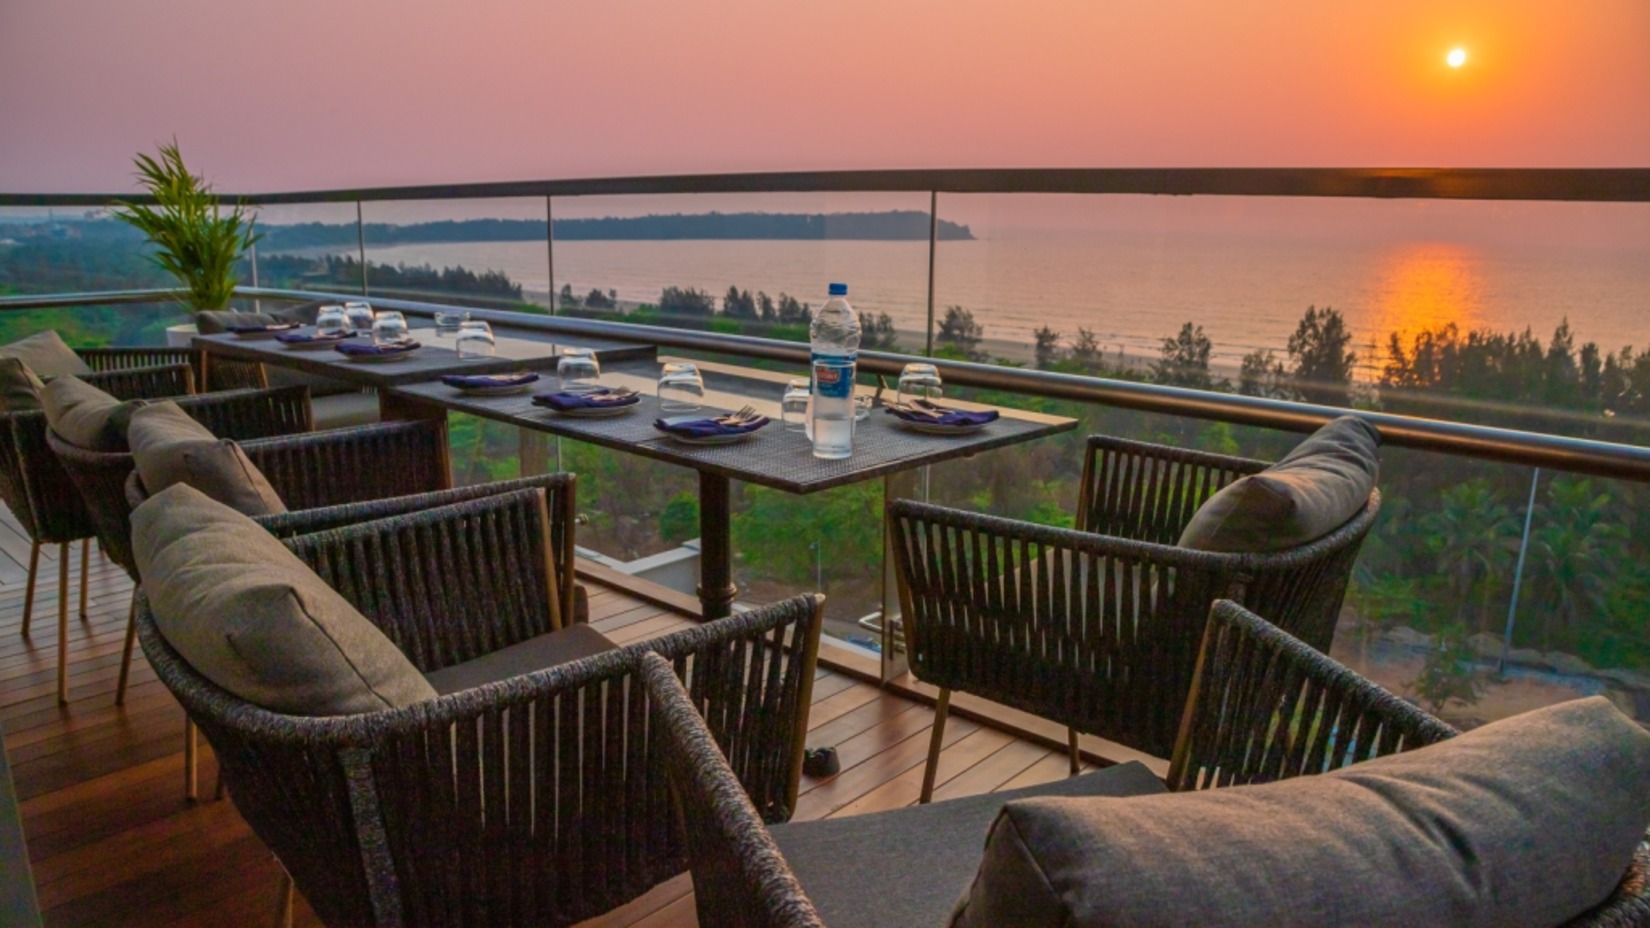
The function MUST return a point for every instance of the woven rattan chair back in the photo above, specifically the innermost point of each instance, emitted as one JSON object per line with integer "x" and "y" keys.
{"x": 1149, "y": 492}
{"x": 534, "y": 800}
{"x": 1096, "y": 632}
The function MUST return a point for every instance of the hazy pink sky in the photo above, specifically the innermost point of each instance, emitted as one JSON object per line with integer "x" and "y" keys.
{"x": 302, "y": 94}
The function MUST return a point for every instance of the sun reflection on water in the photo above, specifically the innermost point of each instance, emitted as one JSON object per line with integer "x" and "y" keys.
{"x": 1424, "y": 285}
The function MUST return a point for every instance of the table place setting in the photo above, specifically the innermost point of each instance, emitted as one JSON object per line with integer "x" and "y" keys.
{"x": 261, "y": 329}
{"x": 309, "y": 341}
{"x": 934, "y": 419}
{"x": 601, "y": 401}
{"x": 712, "y": 430}
{"x": 387, "y": 351}
{"x": 491, "y": 384}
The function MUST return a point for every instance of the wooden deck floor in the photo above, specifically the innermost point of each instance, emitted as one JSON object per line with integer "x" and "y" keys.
{"x": 113, "y": 842}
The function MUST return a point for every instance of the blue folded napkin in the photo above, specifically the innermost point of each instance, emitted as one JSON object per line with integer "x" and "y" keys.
{"x": 369, "y": 350}
{"x": 256, "y": 328}
{"x": 603, "y": 398}
{"x": 691, "y": 427}
{"x": 484, "y": 381}
{"x": 956, "y": 417}
{"x": 304, "y": 338}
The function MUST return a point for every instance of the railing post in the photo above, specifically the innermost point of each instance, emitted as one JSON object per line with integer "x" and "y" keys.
{"x": 933, "y": 251}
{"x": 550, "y": 251}
{"x": 1518, "y": 573}
{"x": 361, "y": 246}
{"x": 252, "y": 255}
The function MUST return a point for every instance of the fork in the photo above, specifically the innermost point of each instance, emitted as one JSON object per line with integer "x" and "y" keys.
{"x": 918, "y": 410}
{"x": 739, "y": 417}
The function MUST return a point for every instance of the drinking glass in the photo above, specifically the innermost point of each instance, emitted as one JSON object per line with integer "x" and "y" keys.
{"x": 918, "y": 382}
{"x": 681, "y": 389}
{"x": 862, "y": 406}
{"x": 389, "y": 328}
{"x": 359, "y": 315}
{"x": 447, "y": 323}
{"x": 331, "y": 320}
{"x": 794, "y": 405}
{"x": 578, "y": 371}
{"x": 475, "y": 341}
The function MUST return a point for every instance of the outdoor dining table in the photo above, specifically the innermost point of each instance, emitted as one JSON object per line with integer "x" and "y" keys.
{"x": 772, "y": 456}
{"x": 434, "y": 359}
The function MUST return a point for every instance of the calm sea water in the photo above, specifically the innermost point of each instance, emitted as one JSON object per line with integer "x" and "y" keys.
{"x": 1131, "y": 290}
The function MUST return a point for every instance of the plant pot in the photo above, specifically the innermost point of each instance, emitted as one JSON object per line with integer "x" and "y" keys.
{"x": 180, "y": 336}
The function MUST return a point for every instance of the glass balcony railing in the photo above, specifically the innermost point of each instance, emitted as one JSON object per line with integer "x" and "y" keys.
{"x": 1486, "y": 587}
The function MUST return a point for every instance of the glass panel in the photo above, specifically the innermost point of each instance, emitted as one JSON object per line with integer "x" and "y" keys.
{"x": 489, "y": 253}
{"x": 304, "y": 247}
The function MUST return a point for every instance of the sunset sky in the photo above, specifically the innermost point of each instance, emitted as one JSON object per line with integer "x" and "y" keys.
{"x": 304, "y": 94}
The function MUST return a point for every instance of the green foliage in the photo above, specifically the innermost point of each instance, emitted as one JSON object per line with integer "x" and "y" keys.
{"x": 194, "y": 241}
{"x": 680, "y": 519}
{"x": 1448, "y": 675}
{"x": 1048, "y": 351}
{"x": 879, "y": 333}
{"x": 1184, "y": 360}
{"x": 1322, "y": 367}
{"x": 959, "y": 332}
{"x": 1262, "y": 374}
{"x": 1473, "y": 537}
{"x": 775, "y": 532}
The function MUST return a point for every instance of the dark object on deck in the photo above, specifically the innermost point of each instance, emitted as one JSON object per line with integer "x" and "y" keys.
{"x": 821, "y": 762}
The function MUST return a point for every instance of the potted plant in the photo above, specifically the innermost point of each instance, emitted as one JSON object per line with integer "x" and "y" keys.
{"x": 195, "y": 240}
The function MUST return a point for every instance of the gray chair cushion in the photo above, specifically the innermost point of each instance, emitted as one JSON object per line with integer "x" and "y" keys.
{"x": 1524, "y": 823}
{"x": 926, "y": 853}
{"x": 1311, "y": 492}
{"x": 85, "y": 416}
{"x": 169, "y": 447}
{"x": 255, "y": 620}
{"x": 19, "y": 387}
{"x": 46, "y": 355}
{"x": 537, "y": 653}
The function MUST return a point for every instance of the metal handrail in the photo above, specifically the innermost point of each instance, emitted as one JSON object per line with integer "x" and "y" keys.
{"x": 1619, "y": 185}
{"x": 1576, "y": 455}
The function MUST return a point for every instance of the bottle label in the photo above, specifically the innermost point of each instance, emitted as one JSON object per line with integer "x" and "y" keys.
{"x": 833, "y": 376}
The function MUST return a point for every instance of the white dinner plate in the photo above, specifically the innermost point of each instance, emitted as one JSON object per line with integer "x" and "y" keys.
{"x": 711, "y": 439}
{"x": 598, "y": 412}
{"x": 501, "y": 390}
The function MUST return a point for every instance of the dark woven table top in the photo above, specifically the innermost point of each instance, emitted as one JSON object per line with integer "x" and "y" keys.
{"x": 427, "y": 363}
{"x": 772, "y": 456}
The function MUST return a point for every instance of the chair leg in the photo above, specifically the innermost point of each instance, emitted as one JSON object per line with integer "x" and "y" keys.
{"x": 63, "y": 624}
{"x": 85, "y": 573}
{"x": 935, "y": 740}
{"x": 191, "y": 762}
{"x": 1076, "y": 758}
{"x": 28, "y": 595}
{"x": 126, "y": 655}
{"x": 283, "y": 900}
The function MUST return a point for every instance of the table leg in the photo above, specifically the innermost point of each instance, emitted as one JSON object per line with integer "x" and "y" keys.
{"x": 716, "y": 589}
{"x": 396, "y": 407}
{"x": 901, "y": 485}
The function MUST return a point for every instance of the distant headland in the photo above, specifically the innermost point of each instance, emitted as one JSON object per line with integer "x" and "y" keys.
{"x": 887, "y": 226}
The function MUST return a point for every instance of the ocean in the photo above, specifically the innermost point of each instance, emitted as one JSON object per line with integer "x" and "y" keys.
{"x": 1246, "y": 287}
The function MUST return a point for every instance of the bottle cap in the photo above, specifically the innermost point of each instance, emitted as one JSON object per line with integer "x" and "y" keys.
{"x": 839, "y": 289}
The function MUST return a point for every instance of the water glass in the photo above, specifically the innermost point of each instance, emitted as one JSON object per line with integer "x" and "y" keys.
{"x": 475, "y": 341}
{"x": 389, "y": 328}
{"x": 862, "y": 407}
{"x": 331, "y": 320}
{"x": 447, "y": 323}
{"x": 795, "y": 404}
{"x": 578, "y": 371}
{"x": 359, "y": 315}
{"x": 918, "y": 382}
{"x": 681, "y": 389}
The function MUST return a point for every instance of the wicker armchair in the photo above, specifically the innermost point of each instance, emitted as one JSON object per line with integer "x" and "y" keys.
{"x": 1099, "y": 631}
{"x": 38, "y": 491}
{"x": 532, "y": 800}
{"x": 1248, "y": 673}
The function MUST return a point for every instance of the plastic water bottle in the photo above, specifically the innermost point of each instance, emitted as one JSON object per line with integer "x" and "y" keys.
{"x": 835, "y": 338}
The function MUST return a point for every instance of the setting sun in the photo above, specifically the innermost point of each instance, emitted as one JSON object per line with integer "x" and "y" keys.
{"x": 1457, "y": 57}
